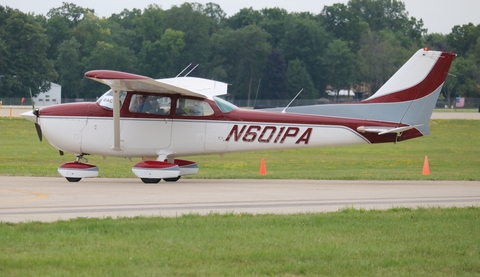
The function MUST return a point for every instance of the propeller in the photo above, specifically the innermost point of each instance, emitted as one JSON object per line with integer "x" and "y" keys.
{"x": 37, "y": 126}
{"x": 36, "y": 112}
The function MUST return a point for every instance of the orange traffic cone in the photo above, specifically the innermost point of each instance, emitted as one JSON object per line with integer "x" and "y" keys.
{"x": 263, "y": 169}
{"x": 426, "y": 168}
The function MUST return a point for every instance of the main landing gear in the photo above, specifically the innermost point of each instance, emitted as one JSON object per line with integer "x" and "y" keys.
{"x": 150, "y": 172}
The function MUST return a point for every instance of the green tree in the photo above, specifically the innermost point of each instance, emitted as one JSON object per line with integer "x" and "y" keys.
{"x": 340, "y": 64}
{"x": 307, "y": 41}
{"x": 450, "y": 84}
{"x": 70, "y": 69}
{"x": 106, "y": 56}
{"x": 71, "y": 12}
{"x": 379, "y": 57}
{"x": 90, "y": 31}
{"x": 466, "y": 71}
{"x": 216, "y": 16}
{"x": 58, "y": 30}
{"x": 151, "y": 24}
{"x": 242, "y": 54}
{"x": 23, "y": 47}
{"x": 157, "y": 58}
{"x": 275, "y": 22}
{"x": 275, "y": 81}
{"x": 299, "y": 78}
{"x": 193, "y": 22}
{"x": 342, "y": 22}
{"x": 463, "y": 38}
{"x": 388, "y": 15}
{"x": 245, "y": 17}
{"x": 437, "y": 42}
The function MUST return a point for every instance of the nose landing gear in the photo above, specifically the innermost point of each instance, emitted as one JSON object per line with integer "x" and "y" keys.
{"x": 75, "y": 171}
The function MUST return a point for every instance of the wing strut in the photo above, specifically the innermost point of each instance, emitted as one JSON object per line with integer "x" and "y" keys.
{"x": 116, "y": 119}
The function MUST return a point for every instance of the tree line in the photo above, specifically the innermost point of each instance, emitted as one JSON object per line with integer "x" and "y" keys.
{"x": 268, "y": 53}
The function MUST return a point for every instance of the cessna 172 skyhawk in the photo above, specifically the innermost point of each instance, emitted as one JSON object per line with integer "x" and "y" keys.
{"x": 161, "y": 120}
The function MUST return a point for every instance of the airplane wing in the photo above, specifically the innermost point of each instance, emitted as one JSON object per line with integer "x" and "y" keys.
{"x": 189, "y": 86}
{"x": 385, "y": 130}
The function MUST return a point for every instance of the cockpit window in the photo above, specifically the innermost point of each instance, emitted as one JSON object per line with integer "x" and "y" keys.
{"x": 224, "y": 105}
{"x": 106, "y": 100}
{"x": 152, "y": 104}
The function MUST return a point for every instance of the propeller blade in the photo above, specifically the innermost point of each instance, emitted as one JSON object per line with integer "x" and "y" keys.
{"x": 39, "y": 131}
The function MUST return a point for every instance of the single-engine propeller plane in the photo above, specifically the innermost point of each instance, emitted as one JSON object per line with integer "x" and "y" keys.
{"x": 163, "y": 120}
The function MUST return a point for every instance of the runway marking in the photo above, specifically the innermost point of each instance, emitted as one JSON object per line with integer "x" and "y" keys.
{"x": 37, "y": 196}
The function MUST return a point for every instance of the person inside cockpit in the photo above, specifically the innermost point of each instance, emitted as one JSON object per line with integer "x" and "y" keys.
{"x": 143, "y": 105}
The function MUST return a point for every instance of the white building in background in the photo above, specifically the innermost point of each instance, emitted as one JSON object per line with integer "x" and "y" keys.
{"x": 51, "y": 97}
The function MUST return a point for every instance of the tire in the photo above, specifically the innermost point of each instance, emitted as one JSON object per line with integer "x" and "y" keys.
{"x": 172, "y": 179}
{"x": 72, "y": 179}
{"x": 150, "y": 180}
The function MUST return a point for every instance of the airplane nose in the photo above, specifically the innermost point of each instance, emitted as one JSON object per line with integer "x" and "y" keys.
{"x": 30, "y": 116}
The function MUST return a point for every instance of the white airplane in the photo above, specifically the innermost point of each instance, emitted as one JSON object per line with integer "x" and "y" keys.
{"x": 162, "y": 120}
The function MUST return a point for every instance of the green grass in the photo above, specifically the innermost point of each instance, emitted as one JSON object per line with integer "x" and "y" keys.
{"x": 453, "y": 149}
{"x": 456, "y": 110}
{"x": 397, "y": 242}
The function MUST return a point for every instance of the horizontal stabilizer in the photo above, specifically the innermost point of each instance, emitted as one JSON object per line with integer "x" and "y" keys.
{"x": 385, "y": 130}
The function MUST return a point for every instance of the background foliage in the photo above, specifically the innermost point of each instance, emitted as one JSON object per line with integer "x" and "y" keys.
{"x": 270, "y": 51}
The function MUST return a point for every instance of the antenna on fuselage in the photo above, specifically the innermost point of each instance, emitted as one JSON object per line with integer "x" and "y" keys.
{"x": 183, "y": 70}
{"x": 292, "y": 100}
{"x": 191, "y": 70}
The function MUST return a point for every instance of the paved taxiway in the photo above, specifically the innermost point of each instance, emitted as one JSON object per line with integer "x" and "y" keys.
{"x": 50, "y": 199}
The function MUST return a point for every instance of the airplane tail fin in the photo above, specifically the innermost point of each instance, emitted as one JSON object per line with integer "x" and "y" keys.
{"x": 412, "y": 92}
{"x": 407, "y": 99}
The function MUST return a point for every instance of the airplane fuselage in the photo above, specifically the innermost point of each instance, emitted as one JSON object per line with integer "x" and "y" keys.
{"x": 87, "y": 128}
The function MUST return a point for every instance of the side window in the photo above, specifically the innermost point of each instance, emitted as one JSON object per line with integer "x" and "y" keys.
{"x": 152, "y": 104}
{"x": 192, "y": 107}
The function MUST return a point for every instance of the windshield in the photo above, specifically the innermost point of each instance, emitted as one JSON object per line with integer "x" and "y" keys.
{"x": 224, "y": 105}
{"x": 106, "y": 100}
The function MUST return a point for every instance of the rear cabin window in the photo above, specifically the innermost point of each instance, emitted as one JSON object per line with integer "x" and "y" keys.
{"x": 193, "y": 107}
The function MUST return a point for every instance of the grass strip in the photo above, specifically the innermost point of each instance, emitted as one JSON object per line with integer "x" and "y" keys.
{"x": 350, "y": 242}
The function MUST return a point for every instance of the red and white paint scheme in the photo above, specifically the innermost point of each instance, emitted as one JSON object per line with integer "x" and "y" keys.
{"x": 161, "y": 120}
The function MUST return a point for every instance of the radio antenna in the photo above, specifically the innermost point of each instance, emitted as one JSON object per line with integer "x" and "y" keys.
{"x": 292, "y": 100}
{"x": 183, "y": 70}
{"x": 191, "y": 70}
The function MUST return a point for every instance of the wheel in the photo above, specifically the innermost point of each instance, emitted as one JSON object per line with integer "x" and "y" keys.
{"x": 172, "y": 179}
{"x": 150, "y": 180}
{"x": 73, "y": 180}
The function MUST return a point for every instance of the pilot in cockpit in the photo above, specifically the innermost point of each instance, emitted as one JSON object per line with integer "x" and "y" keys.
{"x": 143, "y": 105}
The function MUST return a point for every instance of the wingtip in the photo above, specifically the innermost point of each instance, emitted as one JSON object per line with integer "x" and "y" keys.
{"x": 112, "y": 74}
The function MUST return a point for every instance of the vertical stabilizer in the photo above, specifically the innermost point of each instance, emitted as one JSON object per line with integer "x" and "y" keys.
{"x": 413, "y": 90}
{"x": 407, "y": 98}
